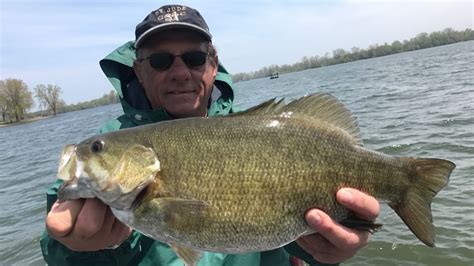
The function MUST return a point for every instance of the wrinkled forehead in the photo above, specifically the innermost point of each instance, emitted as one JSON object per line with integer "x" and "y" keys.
{"x": 172, "y": 40}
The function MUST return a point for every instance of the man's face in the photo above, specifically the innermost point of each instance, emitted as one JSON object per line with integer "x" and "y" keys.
{"x": 181, "y": 90}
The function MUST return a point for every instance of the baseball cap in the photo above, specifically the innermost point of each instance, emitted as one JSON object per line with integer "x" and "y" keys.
{"x": 171, "y": 17}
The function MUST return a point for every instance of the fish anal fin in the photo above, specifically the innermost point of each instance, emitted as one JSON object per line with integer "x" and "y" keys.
{"x": 360, "y": 224}
{"x": 189, "y": 256}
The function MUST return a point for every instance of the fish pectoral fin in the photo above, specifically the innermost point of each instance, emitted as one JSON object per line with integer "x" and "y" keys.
{"x": 173, "y": 212}
{"x": 137, "y": 167}
{"x": 194, "y": 209}
{"x": 189, "y": 256}
{"x": 360, "y": 224}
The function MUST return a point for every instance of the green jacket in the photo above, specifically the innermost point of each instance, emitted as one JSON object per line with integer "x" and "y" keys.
{"x": 139, "y": 249}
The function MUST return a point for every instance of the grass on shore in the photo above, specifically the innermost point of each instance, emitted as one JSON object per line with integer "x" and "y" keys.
{"x": 24, "y": 121}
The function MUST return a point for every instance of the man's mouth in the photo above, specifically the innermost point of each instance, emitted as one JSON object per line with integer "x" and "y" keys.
{"x": 181, "y": 92}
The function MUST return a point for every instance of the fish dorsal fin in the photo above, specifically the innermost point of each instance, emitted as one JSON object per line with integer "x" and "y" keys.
{"x": 271, "y": 106}
{"x": 327, "y": 108}
{"x": 321, "y": 106}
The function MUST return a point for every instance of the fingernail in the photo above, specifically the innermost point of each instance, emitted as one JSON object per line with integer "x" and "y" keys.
{"x": 345, "y": 196}
{"x": 314, "y": 219}
{"x": 58, "y": 206}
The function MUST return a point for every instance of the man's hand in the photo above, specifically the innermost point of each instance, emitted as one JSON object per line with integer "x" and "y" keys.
{"x": 85, "y": 225}
{"x": 334, "y": 243}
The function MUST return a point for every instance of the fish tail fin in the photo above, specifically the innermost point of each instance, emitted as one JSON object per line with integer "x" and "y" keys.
{"x": 428, "y": 177}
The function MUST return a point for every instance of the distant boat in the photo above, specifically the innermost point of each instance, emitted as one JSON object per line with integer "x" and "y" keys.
{"x": 274, "y": 75}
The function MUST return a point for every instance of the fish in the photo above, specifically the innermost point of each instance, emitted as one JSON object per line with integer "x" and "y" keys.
{"x": 243, "y": 182}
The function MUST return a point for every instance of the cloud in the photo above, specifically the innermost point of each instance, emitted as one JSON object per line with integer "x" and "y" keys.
{"x": 61, "y": 42}
{"x": 284, "y": 34}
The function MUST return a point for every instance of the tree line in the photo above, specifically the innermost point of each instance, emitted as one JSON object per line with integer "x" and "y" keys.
{"x": 421, "y": 41}
{"x": 16, "y": 100}
{"x": 107, "y": 98}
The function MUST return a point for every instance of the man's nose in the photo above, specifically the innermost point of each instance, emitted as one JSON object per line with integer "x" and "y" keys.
{"x": 179, "y": 70}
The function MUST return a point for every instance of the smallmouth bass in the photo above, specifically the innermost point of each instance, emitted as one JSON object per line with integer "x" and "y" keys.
{"x": 243, "y": 182}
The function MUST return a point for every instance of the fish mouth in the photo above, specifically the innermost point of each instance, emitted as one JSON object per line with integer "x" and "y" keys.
{"x": 69, "y": 165}
{"x": 76, "y": 183}
{"x": 70, "y": 170}
{"x": 74, "y": 189}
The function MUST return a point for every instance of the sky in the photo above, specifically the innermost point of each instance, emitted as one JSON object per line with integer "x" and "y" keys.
{"x": 61, "y": 42}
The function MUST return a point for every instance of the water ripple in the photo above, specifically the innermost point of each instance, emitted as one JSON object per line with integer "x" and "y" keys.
{"x": 411, "y": 104}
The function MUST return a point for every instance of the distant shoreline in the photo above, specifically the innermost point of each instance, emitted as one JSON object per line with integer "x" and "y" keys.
{"x": 340, "y": 56}
{"x": 25, "y": 121}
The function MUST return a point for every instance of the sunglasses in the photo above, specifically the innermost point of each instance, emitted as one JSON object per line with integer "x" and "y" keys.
{"x": 164, "y": 60}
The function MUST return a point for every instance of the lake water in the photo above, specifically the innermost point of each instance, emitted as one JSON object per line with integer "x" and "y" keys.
{"x": 419, "y": 103}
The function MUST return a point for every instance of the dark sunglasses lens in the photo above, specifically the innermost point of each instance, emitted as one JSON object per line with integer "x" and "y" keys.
{"x": 161, "y": 61}
{"x": 194, "y": 58}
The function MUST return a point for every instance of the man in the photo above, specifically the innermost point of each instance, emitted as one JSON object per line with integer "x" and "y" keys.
{"x": 176, "y": 74}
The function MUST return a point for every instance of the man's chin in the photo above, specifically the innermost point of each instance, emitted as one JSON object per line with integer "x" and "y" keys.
{"x": 185, "y": 105}
{"x": 185, "y": 111}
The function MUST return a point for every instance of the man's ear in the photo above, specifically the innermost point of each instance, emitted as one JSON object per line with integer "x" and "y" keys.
{"x": 137, "y": 67}
{"x": 216, "y": 66}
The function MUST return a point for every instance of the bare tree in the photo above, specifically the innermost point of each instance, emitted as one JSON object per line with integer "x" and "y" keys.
{"x": 48, "y": 96}
{"x": 3, "y": 101}
{"x": 16, "y": 98}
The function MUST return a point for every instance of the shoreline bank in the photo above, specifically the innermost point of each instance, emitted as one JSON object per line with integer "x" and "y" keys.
{"x": 25, "y": 121}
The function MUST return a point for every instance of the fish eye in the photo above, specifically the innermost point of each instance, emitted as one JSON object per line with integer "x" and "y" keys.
{"x": 97, "y": 146}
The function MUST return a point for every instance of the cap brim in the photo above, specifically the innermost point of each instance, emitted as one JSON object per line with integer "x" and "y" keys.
{"x": 168, "y": 26}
